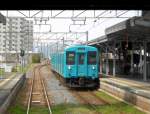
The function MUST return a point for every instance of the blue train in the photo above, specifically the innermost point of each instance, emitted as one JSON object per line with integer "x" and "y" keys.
{"x": 78, "y": 65}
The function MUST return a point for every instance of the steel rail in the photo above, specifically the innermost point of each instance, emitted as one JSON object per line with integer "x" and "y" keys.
{"x": 30, "y": 95}
{"x": 104, "y": 101}
{"x": 79, "y": 95}
{"x": 45, "y": 92}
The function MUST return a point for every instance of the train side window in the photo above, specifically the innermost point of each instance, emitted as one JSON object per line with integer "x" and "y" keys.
{"x": 81, "y": 58}
{"x": 92, "y": 57}
{"x": 70, "y": 58}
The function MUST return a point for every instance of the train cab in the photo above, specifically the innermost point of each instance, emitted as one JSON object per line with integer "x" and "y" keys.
{"x": 81, "y": 66}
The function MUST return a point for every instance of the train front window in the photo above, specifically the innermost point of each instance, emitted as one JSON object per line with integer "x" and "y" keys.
{"x": 81, "y": 58}
{"x": 92, "y": 57}
{"x": 70, "y": 58}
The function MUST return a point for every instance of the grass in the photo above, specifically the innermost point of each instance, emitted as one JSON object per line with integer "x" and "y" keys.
{"x": 24, "y": 69}
{"x": 19, "y": 109}
{"x": 106, "y": 97}
{"x": 72, "y": 109}
{"x": 2, "y": 71}
{"x": 39, "y": 110}
{"x": 119, "y": 108}
{"x": 58, "y": 109}
{"x": 116, "y": 107}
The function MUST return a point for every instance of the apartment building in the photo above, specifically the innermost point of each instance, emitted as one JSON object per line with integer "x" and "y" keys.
{"x": 3, "y": 37}
{"x": 2, "y": 19}
{"x": 16, "y": 34}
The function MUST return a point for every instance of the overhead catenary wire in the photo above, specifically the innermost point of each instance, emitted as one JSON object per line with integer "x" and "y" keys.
{"x": 85, "y": 32}
{"x": 90, "y": 22}
{"x": 104, "y": 16}
{"x": 101, "y": 22}
{"x": 96, "y": 25}
{"x": 106, "y": 19}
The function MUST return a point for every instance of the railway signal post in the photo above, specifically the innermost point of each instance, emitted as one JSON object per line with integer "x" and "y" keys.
{"x": 22, "y": 52}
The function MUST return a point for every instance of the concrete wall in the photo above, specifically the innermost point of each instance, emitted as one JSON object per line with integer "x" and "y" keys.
{"x": 143, "y": 103}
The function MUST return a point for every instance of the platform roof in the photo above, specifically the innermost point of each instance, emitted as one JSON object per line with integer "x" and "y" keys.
{"x": 98, "y": 40}
{"x": 136, "y": 29}
{"x": 133, "y": 29}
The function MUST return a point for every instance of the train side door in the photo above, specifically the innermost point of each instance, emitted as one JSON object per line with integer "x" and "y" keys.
{"x": 92, "y": 63}
{"x": 81, "y": 65}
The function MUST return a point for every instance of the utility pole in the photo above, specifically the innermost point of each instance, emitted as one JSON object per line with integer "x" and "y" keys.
{"x": 28, "y": 42}
{"x": 63, "y": 43}
{"x": 47, "y": 50}
{"x": 87, "y": 38}
{"x": 41, "y": 50}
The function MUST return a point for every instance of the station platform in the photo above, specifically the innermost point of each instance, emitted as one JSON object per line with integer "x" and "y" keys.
{"x": 5, "y": 79}
{"x": 137, "y": 87}
{"x": 132, "y": 91}
{"x": 7, "y": 85}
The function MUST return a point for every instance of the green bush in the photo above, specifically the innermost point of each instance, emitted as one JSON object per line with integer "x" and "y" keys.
{"x": 2, "y": 71}
{"x": 36, "y": 58}
{"x": 14, "y": 69}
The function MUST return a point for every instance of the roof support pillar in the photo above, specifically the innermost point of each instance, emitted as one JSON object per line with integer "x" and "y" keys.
{"x": 100, "y": 59}
{"x": 145, "y": 66}
{"x": 140, "y": 59}
{"x": 107, "y": 63}
{"x": 114, "y": 60}
{"x": 132, "y": 59}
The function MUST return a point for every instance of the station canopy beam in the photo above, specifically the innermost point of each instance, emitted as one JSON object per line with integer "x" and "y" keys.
{"x": 49, "y": 38}
{"x": 88, "y": 14}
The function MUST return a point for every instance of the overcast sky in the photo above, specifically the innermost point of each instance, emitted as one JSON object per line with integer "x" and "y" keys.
{"x": 95, "y": 28}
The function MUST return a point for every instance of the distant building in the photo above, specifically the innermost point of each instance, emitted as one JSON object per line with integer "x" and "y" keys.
{"x": 16, "y": 34}
{"x": 2, "y": 19}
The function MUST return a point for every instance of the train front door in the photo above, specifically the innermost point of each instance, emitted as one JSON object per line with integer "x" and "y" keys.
{"x": 81, "y": 65}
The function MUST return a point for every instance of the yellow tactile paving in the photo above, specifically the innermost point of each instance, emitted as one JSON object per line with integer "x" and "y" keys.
{"x": 6, "y": 80}
{"x": 132, "y": 83}
{"x": 129, "y": 83}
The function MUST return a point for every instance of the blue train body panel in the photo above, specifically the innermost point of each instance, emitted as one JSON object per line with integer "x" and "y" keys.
{"x": 57, "y": 62}
{"x": 77, "y": 64}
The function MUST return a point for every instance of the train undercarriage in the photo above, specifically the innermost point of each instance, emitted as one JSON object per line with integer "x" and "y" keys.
{"x": 82, "y": 82}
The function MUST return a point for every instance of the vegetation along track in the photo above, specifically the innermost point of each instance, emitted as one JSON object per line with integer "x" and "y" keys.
{"x": 85, "y": 96}
{"x": 89, "y": 98}
{"x": 38, "y": 94}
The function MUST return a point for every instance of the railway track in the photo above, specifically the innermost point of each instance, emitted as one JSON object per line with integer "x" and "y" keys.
{"x": 86, "y": 96}
{"x": 38, "y": 94}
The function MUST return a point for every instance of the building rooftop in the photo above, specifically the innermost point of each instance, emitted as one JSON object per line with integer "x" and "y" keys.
{"x": 2, "y": 19}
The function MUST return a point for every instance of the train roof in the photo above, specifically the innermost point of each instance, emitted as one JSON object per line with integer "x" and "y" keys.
{"x": 80, "y": 46}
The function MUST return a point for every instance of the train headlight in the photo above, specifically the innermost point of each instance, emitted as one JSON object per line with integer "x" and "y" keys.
{"x": 69, "y": 67}
{"x": 93, "y": 67}
{"x": 93, "y": 78}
